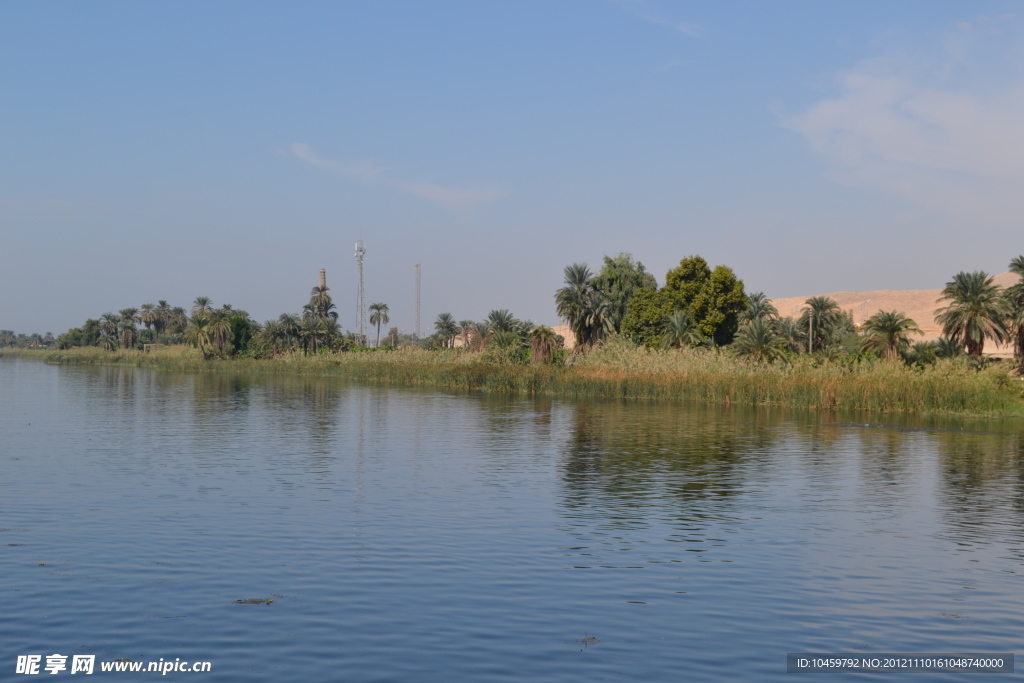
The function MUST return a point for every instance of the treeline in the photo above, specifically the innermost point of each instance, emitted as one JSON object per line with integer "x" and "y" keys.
{"x": 697, "y": 307}
{"x": 703, "y": 307}
{"x": 10, "y": 340}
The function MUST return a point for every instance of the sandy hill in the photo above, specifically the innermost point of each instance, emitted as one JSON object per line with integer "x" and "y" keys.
{"x": 919, "y": 304}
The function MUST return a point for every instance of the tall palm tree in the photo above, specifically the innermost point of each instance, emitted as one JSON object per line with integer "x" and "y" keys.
{"x": 759, "y": 340}
{"x": 320, "y": 303}
{"x": 977, "y": 311}
{"x": 291, "y": 327}
{"x": 542, "y": 344}
{"x": 162, "y": 316}
{"x": 220, "y": 329}
{"x": 202, "y": 304}
{"x": 1015, "y": 299}
{"x": 178, "y": 319}
{"x": 819, "y": 321}
{"x": 680, "y": 330}
{"x": 129, "y": 316}
{"x": 110, "y": 325}
{"x": 148, "y": 315}
{"x": 581, "y": 305}
{"x": 378, "y": 317}
{"x": 446, "y": 328}
{"x": 198, "y": 333}
{"x": 888, "y": 333}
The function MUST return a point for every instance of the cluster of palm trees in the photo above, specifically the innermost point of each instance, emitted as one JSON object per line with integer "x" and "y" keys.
{"x": 314, "y": 329}
{"x": 976, "y": 310}
{"x": 979, "y": 310}
{"x": 500, "y": 331}
{"x": 25, "y": 341}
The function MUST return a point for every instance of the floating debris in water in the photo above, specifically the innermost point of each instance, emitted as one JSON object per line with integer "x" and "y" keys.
{"x": 586, "y": 640}
{"x": 253, "y": 601}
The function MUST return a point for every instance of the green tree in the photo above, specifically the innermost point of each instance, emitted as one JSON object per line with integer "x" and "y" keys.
{"x": 713, "y": 298}
{"x": 619, "y": 279}
{"x": 645, "y": 316}
{"x": 977, "y": 311}
{"x": 887, "y": 333}
{"x": 378, "y": 317}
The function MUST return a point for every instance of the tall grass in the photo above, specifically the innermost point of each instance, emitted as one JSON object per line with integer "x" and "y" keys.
{"x": 619, "y": 370}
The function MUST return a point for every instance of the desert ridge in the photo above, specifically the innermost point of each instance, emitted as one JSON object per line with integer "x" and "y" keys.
{"x": 918, "y": 304}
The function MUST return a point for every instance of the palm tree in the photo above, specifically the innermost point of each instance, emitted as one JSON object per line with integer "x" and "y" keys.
{"x": 1015, "y": 298}
{"x": 505, "y": 339}
{"x": 481, "y": 331}
{"x": 110, "y": 325}
{"x": 202, "y": 304}
{"x": 581, "y": 305}
{"x": 760, "y": 306}
{"x": 162, "y": 316}
{"x": 446, "y": 328}
{"x": 129, "y": 316}
{"x": 220, "y": 329}
{"x": 542, "y": 343}
{"x": 888, "y": 333}
{"x": 291, "y": 326}
{"x": 977, "y": 311}
{"x": 378, "y": 317}
{"x": 948, "y": 348}
{"x": 467, "y": 329}
{"x": 819, "y": 321}
{"x": 178, "y": 319}
{"x": 198, "y": 333}
{"x": 759, "y": 340}
{"x": 679, "y": 330}
{"x": 501, "y": 320}
{"x": 788, "y": 329}
{"x": 148, "y": 315}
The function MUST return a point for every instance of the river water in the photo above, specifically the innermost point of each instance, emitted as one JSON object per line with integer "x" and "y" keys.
{"x": 408, "y": 535}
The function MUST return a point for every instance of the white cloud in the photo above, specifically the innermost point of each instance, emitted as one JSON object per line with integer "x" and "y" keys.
{"x": 943, "y": 133}
{"x": 370, "y": 171}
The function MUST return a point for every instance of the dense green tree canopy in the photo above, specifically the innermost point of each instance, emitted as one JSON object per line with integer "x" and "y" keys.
{"x": 714, "y": 300}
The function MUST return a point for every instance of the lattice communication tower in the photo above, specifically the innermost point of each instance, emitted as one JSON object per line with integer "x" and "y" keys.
{"x": 361, "y": 294}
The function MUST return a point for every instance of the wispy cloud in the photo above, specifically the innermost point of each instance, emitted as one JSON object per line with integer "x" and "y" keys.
{"x": 453, "y": 197}
{"x": 370, "y": 171}
{"x": 356, "y": 170}
{"x": 926, "y": 133}
{"x": 643, "y": 10}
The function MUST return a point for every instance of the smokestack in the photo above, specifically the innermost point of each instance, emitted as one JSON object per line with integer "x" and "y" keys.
{"x": 323, "y": 277}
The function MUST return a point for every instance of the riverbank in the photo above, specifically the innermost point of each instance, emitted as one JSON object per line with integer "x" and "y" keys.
{"x": 621, "y": 371}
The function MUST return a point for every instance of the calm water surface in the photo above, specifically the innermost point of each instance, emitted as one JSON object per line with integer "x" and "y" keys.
{"x": 420, "y": 536}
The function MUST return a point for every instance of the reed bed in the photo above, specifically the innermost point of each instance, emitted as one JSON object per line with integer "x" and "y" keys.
{"x": 619, "y": 370}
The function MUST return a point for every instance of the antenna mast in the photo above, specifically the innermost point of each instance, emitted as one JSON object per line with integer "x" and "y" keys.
{"x": 417, "y": 268}
{"x": 361, "y": 295}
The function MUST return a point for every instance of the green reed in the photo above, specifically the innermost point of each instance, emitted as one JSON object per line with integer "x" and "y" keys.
{"x": 619, "y": 370}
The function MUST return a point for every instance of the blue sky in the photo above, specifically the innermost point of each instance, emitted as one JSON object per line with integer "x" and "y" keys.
{"x": 231, "y": 149}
